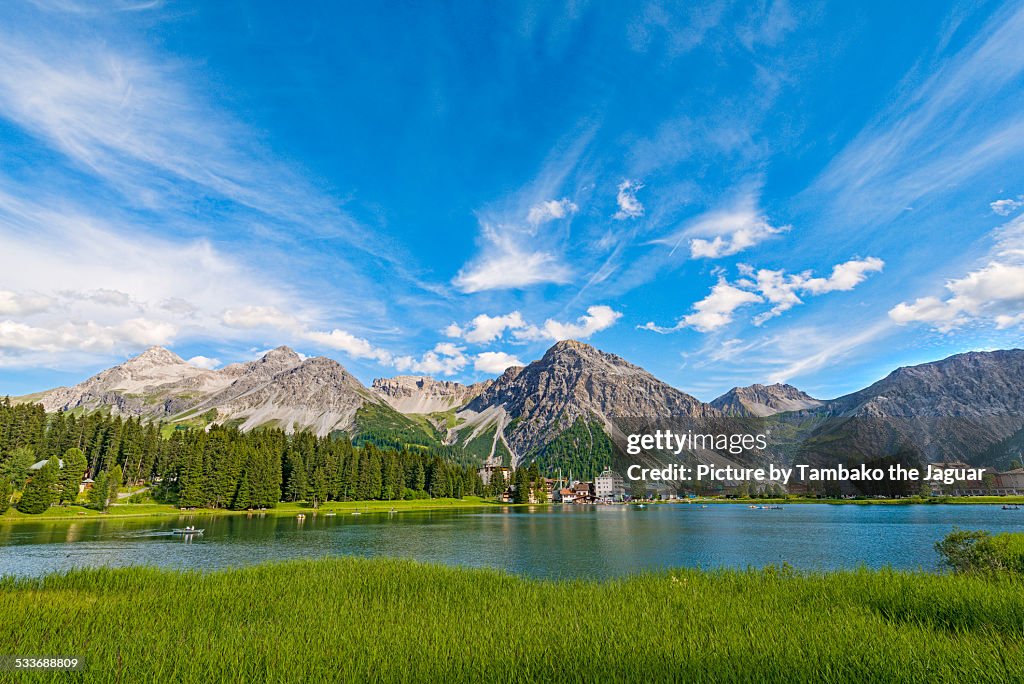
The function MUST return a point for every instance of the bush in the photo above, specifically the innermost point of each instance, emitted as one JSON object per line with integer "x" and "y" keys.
{"x": 977, "y": 551}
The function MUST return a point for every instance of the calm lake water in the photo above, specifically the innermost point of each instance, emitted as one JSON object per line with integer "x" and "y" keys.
{"x": 570, "y": 541}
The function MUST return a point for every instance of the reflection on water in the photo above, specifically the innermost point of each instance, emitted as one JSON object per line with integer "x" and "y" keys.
{"x": 570, "y": 541}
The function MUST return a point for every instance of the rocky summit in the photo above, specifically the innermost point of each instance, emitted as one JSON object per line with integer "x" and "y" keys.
{"x": 574, "y": 380}
{"x": 760, "y": 401}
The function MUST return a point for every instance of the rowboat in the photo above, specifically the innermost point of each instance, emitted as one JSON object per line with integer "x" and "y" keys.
{"x": 187, "y": 530}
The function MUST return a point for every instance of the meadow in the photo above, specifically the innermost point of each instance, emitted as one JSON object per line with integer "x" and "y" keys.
{"x": 349, "y": 619}
{"x": 285, "y": 508}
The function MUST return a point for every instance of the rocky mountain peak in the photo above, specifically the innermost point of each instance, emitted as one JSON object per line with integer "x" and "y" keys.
{"x": 282, "y": 353}
{"x": 154, "y": 356}
{"x": 574, "y": 381}
{"x": 573, "y": 354}
{"x": 764, "y": 400}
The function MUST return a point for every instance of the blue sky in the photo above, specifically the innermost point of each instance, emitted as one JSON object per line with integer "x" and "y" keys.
{"x": 723, "y": 193}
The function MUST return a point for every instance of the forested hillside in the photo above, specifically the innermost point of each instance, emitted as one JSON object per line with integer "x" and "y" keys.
{"x": 217, "y": 468}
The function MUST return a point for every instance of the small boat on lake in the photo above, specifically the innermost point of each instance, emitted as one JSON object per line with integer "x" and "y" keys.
{"x": 187, "y": 530}
{"x": 1014, "y": 507}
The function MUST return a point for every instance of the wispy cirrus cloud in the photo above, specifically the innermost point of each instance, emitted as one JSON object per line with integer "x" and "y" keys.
{"x": 507, "y": 262}
{"x": 941, "y": 129}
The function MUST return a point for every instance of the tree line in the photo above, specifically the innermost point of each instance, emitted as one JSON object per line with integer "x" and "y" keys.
{"x": 221, "y": 467}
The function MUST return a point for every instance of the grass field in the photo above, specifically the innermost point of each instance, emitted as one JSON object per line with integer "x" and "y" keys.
{"x": 351, "y": 619}
{"x": 154, "y": 510}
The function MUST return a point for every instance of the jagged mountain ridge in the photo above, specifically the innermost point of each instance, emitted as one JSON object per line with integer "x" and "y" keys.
{"x": 155, "y": 383}
{"x": 967, "y": 407}
{"x": 760, "y": 401}
{"x": 280, "y": 389}
{"x": 423, "y": 394}
{"x": 976, "y": 398}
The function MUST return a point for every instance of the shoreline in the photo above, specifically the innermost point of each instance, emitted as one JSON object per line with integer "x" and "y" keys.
{"x": 80, "y": 513}
{"x": 129, "y": 511}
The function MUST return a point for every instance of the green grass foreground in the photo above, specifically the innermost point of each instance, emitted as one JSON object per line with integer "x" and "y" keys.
{"x": 348, "y": 619}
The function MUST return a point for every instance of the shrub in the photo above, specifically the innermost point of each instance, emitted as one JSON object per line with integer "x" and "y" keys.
{"x": 977, "y": 551}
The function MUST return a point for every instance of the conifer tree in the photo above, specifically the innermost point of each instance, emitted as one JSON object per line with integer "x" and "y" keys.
{"x": 298, "y": 483}
{"x": 71, "y": 474}
{"x": 521, "y": 481}
{"x": 41, "y": 490}
{"x": 100, "y": 492}
{"x": 6, "y": 492}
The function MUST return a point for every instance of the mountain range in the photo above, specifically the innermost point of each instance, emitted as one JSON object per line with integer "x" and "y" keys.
{"x": 571, "y": 403}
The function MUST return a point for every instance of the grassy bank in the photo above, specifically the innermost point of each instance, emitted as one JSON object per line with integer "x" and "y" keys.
{"x": 153, "y": 510}
{"x": 386, "y": 620}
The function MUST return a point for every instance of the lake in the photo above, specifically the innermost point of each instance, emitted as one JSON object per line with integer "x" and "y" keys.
{"x": 557, "y": 541}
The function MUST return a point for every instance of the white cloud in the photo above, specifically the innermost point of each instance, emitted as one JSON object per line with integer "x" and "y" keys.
{"x": 342, "y": 340}
{"x": 23, "y": 303}
{"x": 1005, "y": 207}
{"x": 486, "y": 328}
{"x": 506, "y": 264}
{"x": 714, "y": 311}
{"x": 249, "y": 317}
{"x": 629, "y": 205}
{"x": 777, "y": 288}
{"x": 805, "y": 350}
{"x": 994, "y": 292}
{"x": 725, "y": 232}
{"x": 845, "y": 276}
{"x": 783, "y": 290}
{"x": 495, "y": 362}
{"x": 138, "y": 123}
{"x": 454, "y": 330}
{"x": 48, "y": 255}
{"x": 84, "y": 337}
{"x": 444, "y": 359}
{"x": 1004, "y": 321}
{"x": 551, "y": 210}
{"x": 204, "y": 362}
{"x": 597, "y": 318}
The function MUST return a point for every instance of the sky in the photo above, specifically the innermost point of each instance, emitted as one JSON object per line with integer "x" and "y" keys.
{"x": 722, "y": 193}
